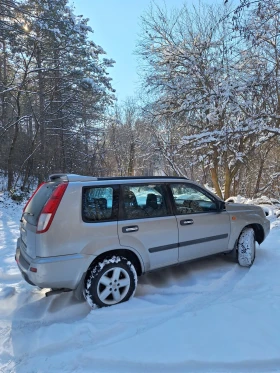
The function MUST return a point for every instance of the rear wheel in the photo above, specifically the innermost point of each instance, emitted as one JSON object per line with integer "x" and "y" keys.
{"x": 246, "y": 247}
{"x": 110, "y": 282}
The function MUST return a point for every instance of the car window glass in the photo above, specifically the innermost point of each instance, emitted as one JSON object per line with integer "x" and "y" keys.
{"x": 189, "y": 200}
{"x": 144, "y": 201}
{"x": 99, "y": 204}
{"x": 36, "y": 204}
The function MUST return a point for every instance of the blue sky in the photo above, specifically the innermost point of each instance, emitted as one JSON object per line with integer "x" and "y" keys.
{"x": 116, "y": 25}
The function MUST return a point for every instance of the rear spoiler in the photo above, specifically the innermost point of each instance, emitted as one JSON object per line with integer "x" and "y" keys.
{"x": 71, "y": 177}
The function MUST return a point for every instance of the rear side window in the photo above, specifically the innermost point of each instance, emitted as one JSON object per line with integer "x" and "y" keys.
{"x": 35, "y": 206}
{"x": 144, "y": 201}
{"x": 100, "y": 204}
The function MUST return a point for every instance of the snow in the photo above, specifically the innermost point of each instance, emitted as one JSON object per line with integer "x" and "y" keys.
{"x": 206, "y": 316}
{"x": 270, "y": 206}
{"x": 95, "y": 87}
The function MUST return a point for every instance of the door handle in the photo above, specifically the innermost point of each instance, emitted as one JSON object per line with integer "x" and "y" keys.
{"x": 131, "y": 228}
{"x": 186, "y": 222}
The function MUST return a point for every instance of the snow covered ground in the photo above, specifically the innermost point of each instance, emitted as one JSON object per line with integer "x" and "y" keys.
{"x": 207, "y": 316}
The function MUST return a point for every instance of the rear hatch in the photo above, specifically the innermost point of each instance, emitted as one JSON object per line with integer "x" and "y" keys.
{"x": 31, "y": 215}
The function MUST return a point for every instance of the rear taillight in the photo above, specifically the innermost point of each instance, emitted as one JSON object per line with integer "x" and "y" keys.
{"x": 33, "y": 194}
{"x": 49, "y": 210}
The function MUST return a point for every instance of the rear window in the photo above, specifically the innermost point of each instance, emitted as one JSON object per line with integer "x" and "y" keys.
{"x": 35, "y": 206}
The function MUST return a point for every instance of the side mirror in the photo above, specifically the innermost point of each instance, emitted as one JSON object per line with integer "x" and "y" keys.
{"x": 220, "y": 206}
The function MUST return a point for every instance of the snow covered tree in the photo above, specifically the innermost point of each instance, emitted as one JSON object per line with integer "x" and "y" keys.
{"x": 196, "y": 76}
{"x": 62, "y": 85}
{"x": 128, "y": 141}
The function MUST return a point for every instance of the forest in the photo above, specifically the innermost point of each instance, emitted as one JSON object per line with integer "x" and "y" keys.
{"x": 208, "y": 109}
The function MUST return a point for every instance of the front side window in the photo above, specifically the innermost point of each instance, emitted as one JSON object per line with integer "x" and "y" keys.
{"x": 144, "y": 201}
{"x": 189, "y": 200}
{"x": 100, "y": 204}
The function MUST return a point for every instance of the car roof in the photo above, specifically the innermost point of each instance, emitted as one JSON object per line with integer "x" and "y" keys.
{"x": 123, "y": 180}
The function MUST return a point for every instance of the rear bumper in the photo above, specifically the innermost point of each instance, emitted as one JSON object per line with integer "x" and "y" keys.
{"x": 53, "y": 272}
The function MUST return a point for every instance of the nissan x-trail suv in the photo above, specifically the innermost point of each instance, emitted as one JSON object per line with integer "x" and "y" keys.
{"x": 95, "y": 236}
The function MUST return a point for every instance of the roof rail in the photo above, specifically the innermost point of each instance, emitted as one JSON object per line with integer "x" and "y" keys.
{"x": 72, "y": 177}
{"x": 143, "y": 178}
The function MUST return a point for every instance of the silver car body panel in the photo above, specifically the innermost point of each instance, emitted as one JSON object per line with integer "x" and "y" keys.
{"x": 156, "y": 240}
{"x": 53, "y": 272}
{"x": 242, "y": 215}
{"x": 207, "y": 234}
{"x": 28, "y": 238}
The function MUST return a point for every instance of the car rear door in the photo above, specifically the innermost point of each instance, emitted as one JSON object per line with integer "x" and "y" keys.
{"x": 30, "y": 216}
{"x": 147, "y": 224}
{"x": 203, "y": 230}
{"x": 98, "y": 231}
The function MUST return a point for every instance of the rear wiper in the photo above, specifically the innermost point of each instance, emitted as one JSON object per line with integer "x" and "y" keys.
{"x": 28, "y": 213}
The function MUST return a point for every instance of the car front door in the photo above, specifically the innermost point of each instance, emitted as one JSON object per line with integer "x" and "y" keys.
{"x": 147, "y": 224}
{"x": 203, "y": 230}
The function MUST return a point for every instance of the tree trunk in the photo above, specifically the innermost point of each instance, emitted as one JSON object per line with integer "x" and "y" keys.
{"x": 13, "y": 146}
{"x": 228, "y": 180}
{"x": 3, "y": 78}
{"x": 131, "y": 162}
{"x": 42, "y": 170}
{"x": 215, "y": 181}
{"x": 257, "y": 187}
{"x": 214, "y": 174}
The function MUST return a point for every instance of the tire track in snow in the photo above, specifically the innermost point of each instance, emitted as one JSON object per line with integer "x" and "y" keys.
{"x": 115, "y": 366}
{"x": 84, "y": 332}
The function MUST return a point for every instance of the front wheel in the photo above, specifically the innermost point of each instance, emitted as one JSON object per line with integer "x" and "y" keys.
{"x": 110, "y": 282}
{"x": 246, "y": 247}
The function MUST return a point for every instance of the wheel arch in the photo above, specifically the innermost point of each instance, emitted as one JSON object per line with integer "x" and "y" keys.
{"x": 259, "y": 232}
{"x": 128, "y": 254}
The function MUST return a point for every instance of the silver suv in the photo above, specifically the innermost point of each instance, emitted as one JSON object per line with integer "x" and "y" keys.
{"x": 97, "y": 235}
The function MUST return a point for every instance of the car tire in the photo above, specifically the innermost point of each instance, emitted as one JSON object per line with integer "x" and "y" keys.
{"x": 110, "y": 282}
{"x": 246, "y": 247}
